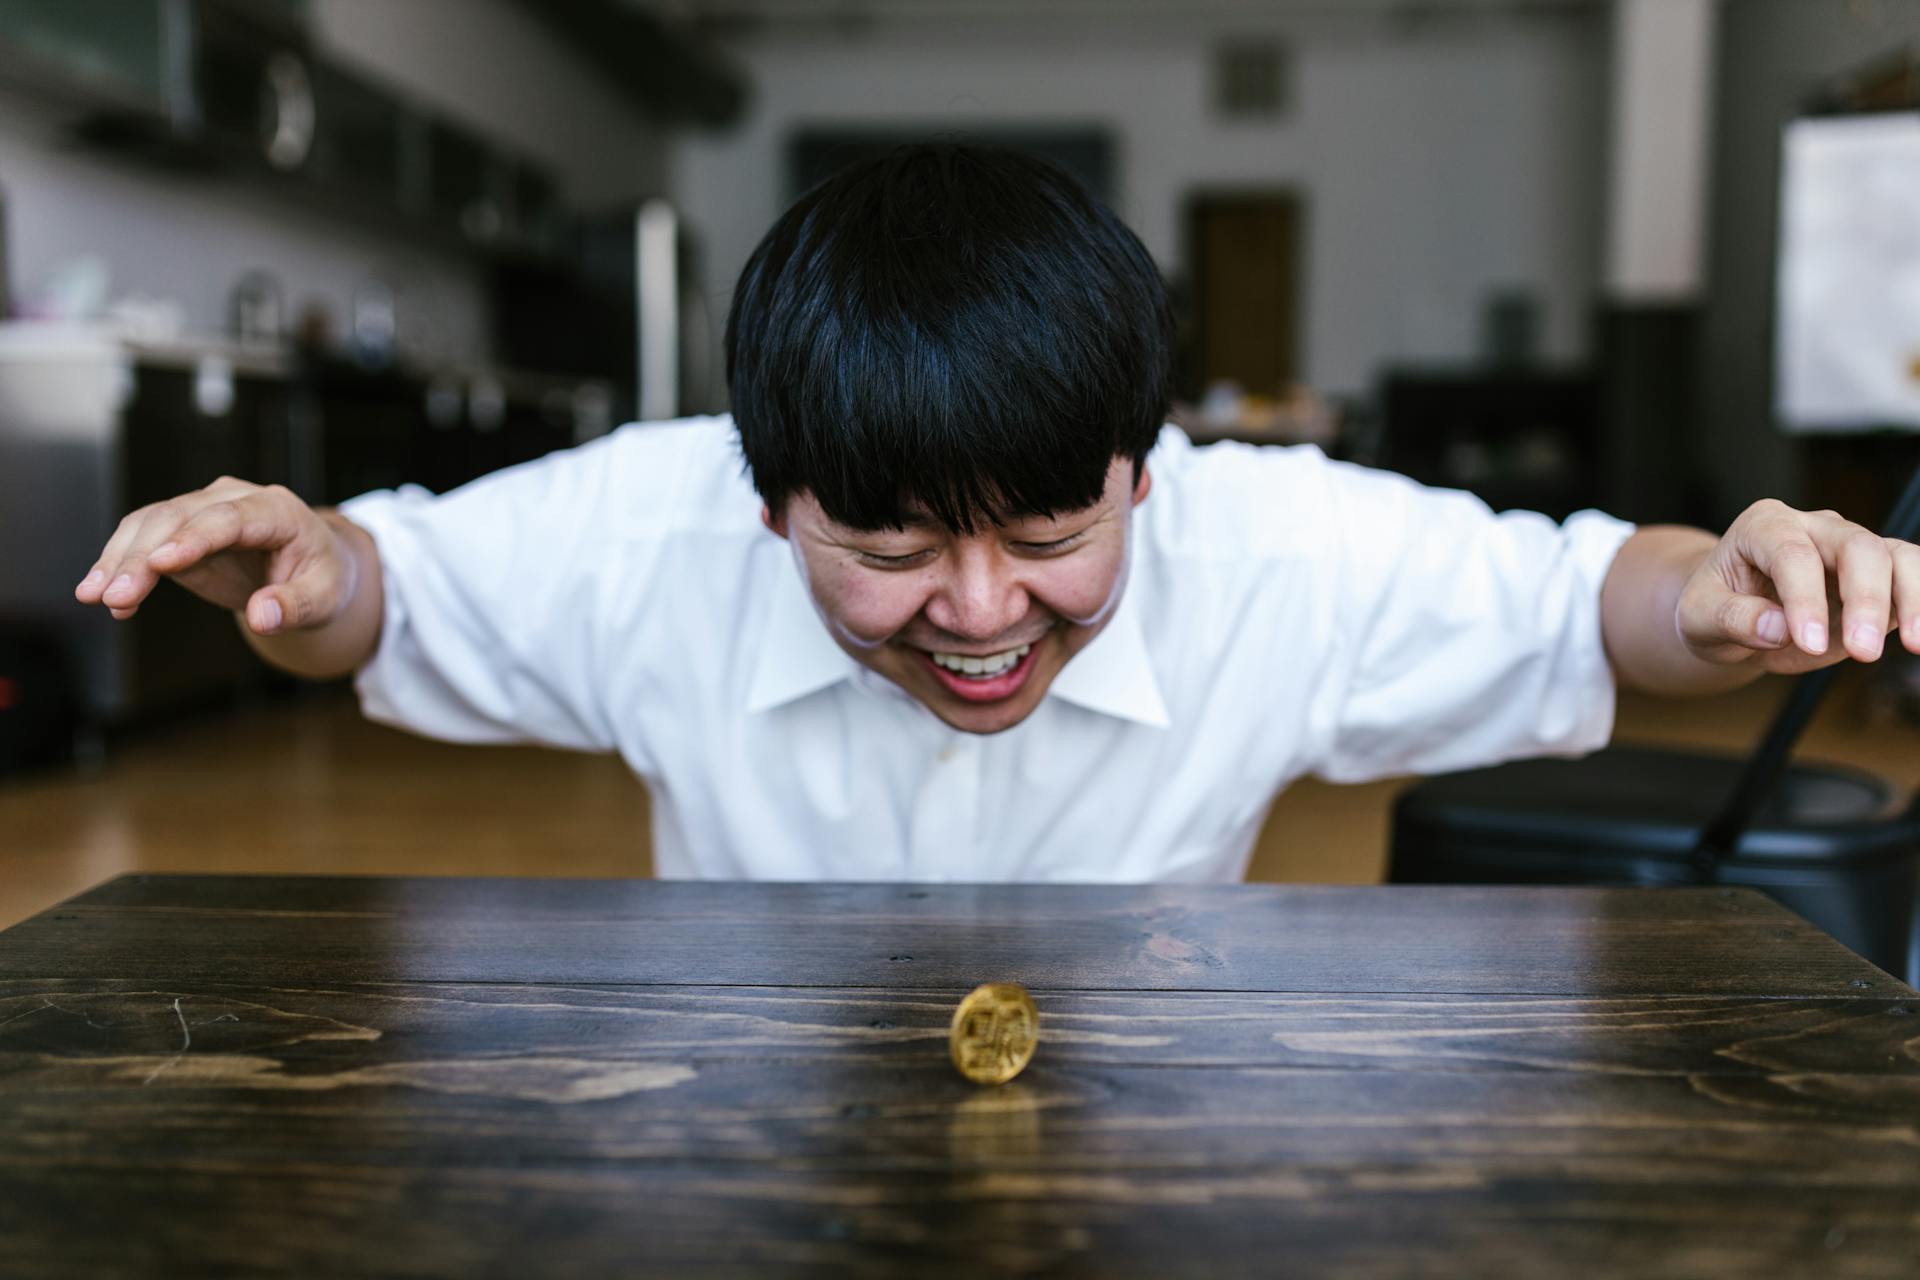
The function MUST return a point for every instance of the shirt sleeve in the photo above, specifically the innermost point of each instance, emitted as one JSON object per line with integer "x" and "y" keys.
{"x": 1468, "y": 638}
{"x": 492, "y": 603}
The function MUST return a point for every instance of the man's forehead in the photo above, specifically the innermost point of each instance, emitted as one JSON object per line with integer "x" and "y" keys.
{"x": 920, "y": 520}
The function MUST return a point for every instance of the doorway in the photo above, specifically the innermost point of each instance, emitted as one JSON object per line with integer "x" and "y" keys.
{"x": 1244, "y": 263}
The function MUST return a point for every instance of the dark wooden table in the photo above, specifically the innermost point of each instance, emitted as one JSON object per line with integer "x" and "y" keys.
{"x": 270, "y": 1076}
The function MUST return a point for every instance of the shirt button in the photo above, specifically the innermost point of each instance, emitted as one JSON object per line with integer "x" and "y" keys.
{"x": 946, "y": 755}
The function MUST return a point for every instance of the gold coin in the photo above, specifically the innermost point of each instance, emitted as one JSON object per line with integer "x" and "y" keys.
{"x": 995, "y": 1031}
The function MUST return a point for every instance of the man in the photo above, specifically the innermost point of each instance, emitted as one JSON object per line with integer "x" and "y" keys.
{"x": 979, "y": 615}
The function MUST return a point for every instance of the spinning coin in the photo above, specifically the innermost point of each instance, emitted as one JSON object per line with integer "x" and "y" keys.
{"x": 995, "y": 1030}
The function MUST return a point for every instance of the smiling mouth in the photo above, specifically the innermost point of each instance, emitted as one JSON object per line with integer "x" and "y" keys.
{"x": 987, "y": 677}
{"x": 985, "y": 666}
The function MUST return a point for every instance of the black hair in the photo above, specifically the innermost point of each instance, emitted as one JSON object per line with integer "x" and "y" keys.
{"x": 954, "y": 330}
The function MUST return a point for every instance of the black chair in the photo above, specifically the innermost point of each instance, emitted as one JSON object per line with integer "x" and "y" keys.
{"x": 1839, "y": 846}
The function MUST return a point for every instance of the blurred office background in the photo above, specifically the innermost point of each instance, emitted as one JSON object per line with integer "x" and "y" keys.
{"x": 1648, "y": 255}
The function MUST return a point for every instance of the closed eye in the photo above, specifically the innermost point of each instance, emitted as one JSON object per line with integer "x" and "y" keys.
{"x": 1050, "y": 548}
{"x": 893, "y": 562}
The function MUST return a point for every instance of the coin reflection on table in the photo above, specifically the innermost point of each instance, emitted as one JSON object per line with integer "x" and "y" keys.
{"x": 995, "y": 1031}
{"x": 996, "y": 1125}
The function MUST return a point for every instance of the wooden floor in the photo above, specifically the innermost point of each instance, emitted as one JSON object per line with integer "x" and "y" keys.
{"x": 307, "y": 786}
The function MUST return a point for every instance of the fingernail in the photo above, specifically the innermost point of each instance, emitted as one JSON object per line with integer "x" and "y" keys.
{"x": 1773, "y": 626}
{"x": 1813, "y": 638}
{"x": 1866, "y": 638}
{"x": 92, "y": 579}
{"x": 164, "y": 551}
{"x": 270, "y": 616}
{"x": 122, "y": 583}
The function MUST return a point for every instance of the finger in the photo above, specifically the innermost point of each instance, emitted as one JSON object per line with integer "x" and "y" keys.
{"x": 1788, "y": 556}
{"x": 227, "y": 486}
{"x": 1863, "y": 573}
{"x": 1753, "y": 622}
{"x": 87, "y": 591}
{"x": 255, "y": 520}
{"x": 1906, "y": 591}
{"x": 128, "y": 534}
{"x": 266, "y": 615}
{"x": 306, "y": 580}
{"x": 305, "y": 600}
{"x": 99, "y": 576}
{"x": 134, "y": 577}
{"x": 128, "y": 579}
{"x": 1717, "y": 620}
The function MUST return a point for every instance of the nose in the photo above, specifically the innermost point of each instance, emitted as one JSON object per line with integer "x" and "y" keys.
{"x": 980, "y": 597}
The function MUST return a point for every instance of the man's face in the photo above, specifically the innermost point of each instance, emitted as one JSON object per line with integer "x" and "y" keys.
{"x": 1008, "y": 604}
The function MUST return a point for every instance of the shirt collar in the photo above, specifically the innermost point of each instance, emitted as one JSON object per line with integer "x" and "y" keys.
{"x": 1112, "y": 675}
{"x": 797, "y": 656}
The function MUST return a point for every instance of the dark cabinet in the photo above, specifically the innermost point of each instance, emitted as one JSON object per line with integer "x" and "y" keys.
{"x": 252, "y": 85}
{"x": 365, "y": 143}
{"x": 91, "y": 430}
{"x": 110, "y": 53}
{"x": 1526, "y": 438}
{"x": 380, "y": 430}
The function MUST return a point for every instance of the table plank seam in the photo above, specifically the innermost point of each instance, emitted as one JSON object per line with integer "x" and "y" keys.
{"x": 1900, "y": 990}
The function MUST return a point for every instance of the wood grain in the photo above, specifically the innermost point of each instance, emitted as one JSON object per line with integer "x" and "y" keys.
{"x": 232, "y": 1076}
{"x": 69, "y": 1030}
{"x": 1358, "y": 1219}
{"x": 1590, "y": 941}
{"x": 426, "y": 1130}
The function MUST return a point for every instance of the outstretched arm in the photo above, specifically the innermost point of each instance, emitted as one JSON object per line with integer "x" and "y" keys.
{"x": 1783, "y": 591}
{"x": 303, "y": 584}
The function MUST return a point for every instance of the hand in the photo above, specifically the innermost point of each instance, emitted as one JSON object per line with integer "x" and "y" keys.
{"x": 241, "y": 546}
{"x": 1769, "y": 592}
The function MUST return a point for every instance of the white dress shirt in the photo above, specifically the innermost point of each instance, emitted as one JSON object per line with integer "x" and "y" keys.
{"x": 1284, "y": 615}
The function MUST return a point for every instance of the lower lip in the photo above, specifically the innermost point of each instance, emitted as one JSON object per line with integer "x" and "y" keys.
{"x": 1004, "y": 685}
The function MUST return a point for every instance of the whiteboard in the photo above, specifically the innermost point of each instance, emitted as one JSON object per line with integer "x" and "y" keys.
{"x": 1847, "y": 336}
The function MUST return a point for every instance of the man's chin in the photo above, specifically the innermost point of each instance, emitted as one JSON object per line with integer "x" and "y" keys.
{"x": 981, "y": 717}
{"x": 995, "y": 716}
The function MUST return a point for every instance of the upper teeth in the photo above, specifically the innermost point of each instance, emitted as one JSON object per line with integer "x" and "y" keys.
{"x": 991, "y": 665}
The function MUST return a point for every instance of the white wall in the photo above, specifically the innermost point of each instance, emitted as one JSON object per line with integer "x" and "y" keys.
{"x": 1663, "y": 54}
{"x": 189, "y": 238}
{"x": 1439, "y": 159}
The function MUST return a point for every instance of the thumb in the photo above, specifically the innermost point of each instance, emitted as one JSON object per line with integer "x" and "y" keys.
{"x": 306, "y": 582}
{"x": 285, "y": 606}
{"x": 1750, "y": 622}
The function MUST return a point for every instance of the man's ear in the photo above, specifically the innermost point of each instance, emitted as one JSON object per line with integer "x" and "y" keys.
{"x": 1143, "y": 486}
{"x": 775, "y": 522}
